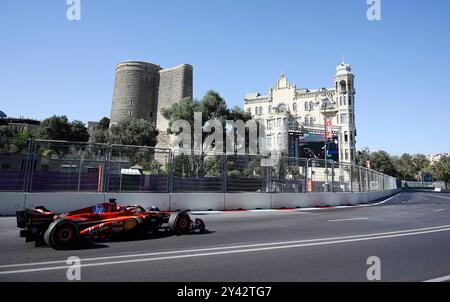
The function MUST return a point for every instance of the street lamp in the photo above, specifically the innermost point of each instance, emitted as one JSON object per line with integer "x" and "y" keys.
{"x": 328, "y": 110}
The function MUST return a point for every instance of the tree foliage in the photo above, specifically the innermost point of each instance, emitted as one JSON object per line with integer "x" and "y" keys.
{"x": 382, "y": 162}
{"x": 442, "y": 169}
{"x": 101, "y": 134}
{"x": 59, "y": 128}
{"x": 133, "y": 131}
{"x": 212, "y": 107}
{"x": 406, "y": 166}
{"x": 13, "y": 142}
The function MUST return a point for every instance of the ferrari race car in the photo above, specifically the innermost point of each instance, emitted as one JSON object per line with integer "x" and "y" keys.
{"x": 104, "y": 221}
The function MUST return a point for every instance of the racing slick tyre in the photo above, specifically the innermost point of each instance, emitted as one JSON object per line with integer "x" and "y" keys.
{"x": 180, "y": 222}
{"x": 61, "y": 235}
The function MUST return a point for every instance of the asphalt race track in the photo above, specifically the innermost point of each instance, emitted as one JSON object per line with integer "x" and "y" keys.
{"x": 410, "y": 233}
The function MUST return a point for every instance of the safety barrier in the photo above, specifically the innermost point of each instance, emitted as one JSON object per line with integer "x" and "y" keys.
{"x": 10, "y": 202}
{"x": 58, "y": 166}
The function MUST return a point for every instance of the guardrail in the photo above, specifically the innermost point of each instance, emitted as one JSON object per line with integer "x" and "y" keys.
{"x": 59, "y": 166}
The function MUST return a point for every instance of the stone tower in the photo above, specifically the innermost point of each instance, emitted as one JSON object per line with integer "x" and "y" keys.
{"x": 143, "y": 90}
{"x": 174, "y": 85}
{"x": 135, "y": 91}
{"x": 345, "y": 99}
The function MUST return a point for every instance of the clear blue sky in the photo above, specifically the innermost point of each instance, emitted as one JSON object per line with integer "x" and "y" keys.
{"x": 402, "y": 63}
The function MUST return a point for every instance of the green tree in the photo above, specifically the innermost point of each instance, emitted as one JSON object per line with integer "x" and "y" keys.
{"x": 442, "y": 169}
{"x": 421, "y": 164}
{"x": 59, "y": 128}
{"x": 14, "y": 142}
{"x": 382, "y": 162}
{"x": 404, "y": 166}
{"x": 101, "y": 134}
{"x": 54, "y": 128}
{"x": 103, "y": 124}
{"x": 133, "y": 131}
{"x": 6, "y": 133}
{"x": 212, "y": 107}
{"x": 362, "y": 157}
{"x": 78, "y": 132}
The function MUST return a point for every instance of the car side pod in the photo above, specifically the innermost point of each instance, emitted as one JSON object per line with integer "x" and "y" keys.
{"x": 62, "y": 234}
{"x": 180, "y": 222}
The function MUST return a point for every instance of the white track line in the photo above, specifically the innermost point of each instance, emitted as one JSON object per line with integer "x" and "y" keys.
{"x": 348, "y": 219}
{"x": 238, "y": 249}
{"x": 221, "y": 253}
{"x": 440, "y": 279}
{"x": 445, "y": 197}
{"x": 438, "y": 210}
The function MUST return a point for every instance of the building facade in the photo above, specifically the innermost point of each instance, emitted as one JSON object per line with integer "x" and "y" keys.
{"x": 288, "y": 110}
{"x": 20, "y": 124}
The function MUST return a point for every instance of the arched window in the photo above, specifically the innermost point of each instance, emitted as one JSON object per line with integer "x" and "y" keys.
{"x": 260, "y": 110}
{"x": 311, "y": 105}
{"x": 306, "y": 106}
{"x": 343, "y": 86}
{"x": 294, "y": 107}
{"x": 311, "y": 120}
{"x": 282, "y": 107}
{"x": 306, "y": 120}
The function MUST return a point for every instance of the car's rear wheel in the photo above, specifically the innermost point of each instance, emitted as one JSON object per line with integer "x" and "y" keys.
{"x": 180, "y": 222}
{"x": 61, "y": 235}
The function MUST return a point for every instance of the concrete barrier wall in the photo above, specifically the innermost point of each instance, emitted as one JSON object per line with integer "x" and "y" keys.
{"x": 197, "y": 201}
{"x": 63, "y": 202}
{"x": 247, "y": 201}
{"x": 289, "y": 200}
{"x": 11, "y": 202}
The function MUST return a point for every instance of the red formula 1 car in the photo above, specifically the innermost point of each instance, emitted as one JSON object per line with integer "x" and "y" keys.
{"x": 106, "y": 220}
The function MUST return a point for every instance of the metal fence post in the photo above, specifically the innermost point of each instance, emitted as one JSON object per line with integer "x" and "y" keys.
{"x": 305, "y": 189}
{"x": 351, "y": 178}
{"x": 368, "y": 180}
{"x": 224, "y": 173}
{"x": 269, "y": 178}
{"x": 80, "y": 170}
{"x": 26, "y": 174}
{"x": 107, "y": 165}
{"x": 360, "y": 187}
{"x": 332, "y": 177}
{"x": 32, "y": 166}
{"x": 170, "y": 172}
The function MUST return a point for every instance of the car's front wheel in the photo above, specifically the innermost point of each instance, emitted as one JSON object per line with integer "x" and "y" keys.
{"x": 180, "y": 222}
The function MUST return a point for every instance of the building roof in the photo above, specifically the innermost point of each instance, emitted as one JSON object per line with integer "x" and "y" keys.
{"x": 20, "y": 120}
{"x": 2, "y": 114}
{"x": 251, "y": 96}
{"x": 343, "y": 69}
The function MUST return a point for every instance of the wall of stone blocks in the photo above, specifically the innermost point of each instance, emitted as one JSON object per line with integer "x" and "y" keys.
{"x": 175, "y": 84}
{"x": 135, "y": 91}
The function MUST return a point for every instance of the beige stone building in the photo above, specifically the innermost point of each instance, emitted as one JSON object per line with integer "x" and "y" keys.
{"x": 288, "y": 109}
